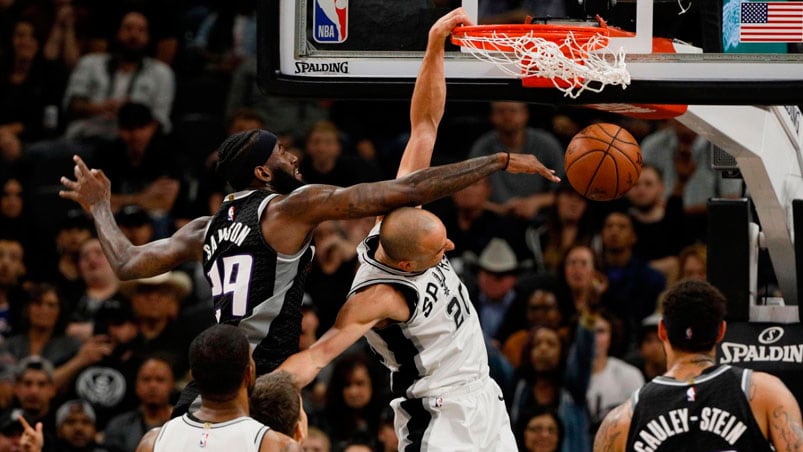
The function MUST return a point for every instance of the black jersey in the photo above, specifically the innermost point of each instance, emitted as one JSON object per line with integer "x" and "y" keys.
{"x": 708, "y": 413}
{"x": 253, "y": 286}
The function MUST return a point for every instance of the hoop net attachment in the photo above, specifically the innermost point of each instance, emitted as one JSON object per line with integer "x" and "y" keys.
{"x": 570, "y": 58}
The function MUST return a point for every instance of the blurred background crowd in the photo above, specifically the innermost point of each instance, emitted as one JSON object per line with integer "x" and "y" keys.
{"x": 147, "y": 90}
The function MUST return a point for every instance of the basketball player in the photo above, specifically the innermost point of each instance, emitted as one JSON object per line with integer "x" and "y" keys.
{"x": 697, "y": 405}
{"x": 224, "y": 372}
{"x": 262, "y": 233}
{"x": 412, "y": 307}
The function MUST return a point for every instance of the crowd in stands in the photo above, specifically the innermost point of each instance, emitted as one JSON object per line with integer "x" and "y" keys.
{"x": 147, "y": 90}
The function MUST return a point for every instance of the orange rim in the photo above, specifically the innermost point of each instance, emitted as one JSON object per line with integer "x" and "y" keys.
{"x": 554, "y": 33}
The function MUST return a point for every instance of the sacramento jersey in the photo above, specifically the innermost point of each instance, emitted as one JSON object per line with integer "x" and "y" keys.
{"x": 441, "y": 346}
{"x": 253, "y": 286}
{"x": 709, "y": 413}
{"x": 187, "y": 433}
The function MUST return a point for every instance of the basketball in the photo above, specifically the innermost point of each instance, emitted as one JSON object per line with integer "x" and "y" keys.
{"x": 603, "y": 161}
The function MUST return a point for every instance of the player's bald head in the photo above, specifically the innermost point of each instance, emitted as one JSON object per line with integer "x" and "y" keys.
{"x": 402, "y": 232}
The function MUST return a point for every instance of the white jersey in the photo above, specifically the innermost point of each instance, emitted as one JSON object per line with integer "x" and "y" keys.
{"x": 441, "y": 346}
{"x": 187, "y": 433}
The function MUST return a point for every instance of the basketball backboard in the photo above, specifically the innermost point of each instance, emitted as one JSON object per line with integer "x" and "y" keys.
{"x": 373, "y": 48}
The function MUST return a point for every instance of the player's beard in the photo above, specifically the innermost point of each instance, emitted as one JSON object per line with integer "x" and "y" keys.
{"x": 284, "y": 182}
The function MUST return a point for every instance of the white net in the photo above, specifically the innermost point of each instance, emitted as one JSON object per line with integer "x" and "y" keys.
{"x": 572, "y": 67}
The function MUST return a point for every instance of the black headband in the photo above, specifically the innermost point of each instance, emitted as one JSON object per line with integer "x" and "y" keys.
{"x": 242, "y": 168}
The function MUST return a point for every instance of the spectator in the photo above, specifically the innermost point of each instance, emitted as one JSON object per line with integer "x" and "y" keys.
{"x": 659, "y": 222}
{"x": 106, "y": 378}
{"x": 582, "y": 284}
{"x": 317, "y": 441}
{"x": 675, "y": 144}
{"x": 156, "y": 303}
{"x": 136, "y": 224}
{"x": 102, "y": 82}
{"x": 76, "y": 229}
{"x": 633, "y": 287}
{"x": 142, "y": 165}
{"x": 325, "y": 162}
{"x": 154, "y": 388}
{"x": 542, "y": 310}
{"x": 30, "y": 90}
{"x": 14, "y": 221}
{"x": 75, "y": 428}
{"x": 540, "y": 430}
{"x": 650, "y": 357}
{"x": 11, "y": 431}
{"x": 353, "y": 399}
{"x": 612, "y": 380}
{"x": 501, "y": 308}
{"x": 693, "y": 262}
{"x": 388, "y": 439}
{"x": 554, "y": 376}
{"x": 34, "y": 391}
{"x": 42, "y": 331}
{"x": 517, "y": 194}
{"x": 12, "y": 270}
{"x": 566, "y": 224}
{"x": 101, "y": 285}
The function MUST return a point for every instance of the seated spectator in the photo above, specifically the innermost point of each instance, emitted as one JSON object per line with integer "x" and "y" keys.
{"x": 612, "y": 380}
{"x": 565, "y": 224}
{"x": 154, "y": 388}
{"x": 30, "y": 86}
{"x": 102, "y": 82}
{"x": 12, "y": 270}
{"x": 501, "y": 308}
{"x": 542, "y": 310}
{"x": 325, "y": 161}
{"x": 101, "y": 285}
{"x": 581, "y": 283}
{"x": 693, "y": 263}
{"x": 141, "y": 165}
{"x": 650, "y": 357}
{"x": 540, "y": 430}
{"x": 317, "y": 441}
{"x": 76, "y": 229}
{"x": 156, "y": 303}
{"x": 34, "y": 392}
{"x": 75, "y": 428}
{"x": 42, "y": 329}
{"x": 14, "y": 222}
{"x": 136, "y": 224}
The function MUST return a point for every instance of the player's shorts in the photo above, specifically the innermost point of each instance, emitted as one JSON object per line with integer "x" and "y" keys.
{"x": 470, "y": 418}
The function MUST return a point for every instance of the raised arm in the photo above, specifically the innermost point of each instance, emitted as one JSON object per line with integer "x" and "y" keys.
{"x": 362, "y": 311}
{"x": 612, "y": 433}
{"x": 92, "y": 190}
{"x": 429, "y": 95}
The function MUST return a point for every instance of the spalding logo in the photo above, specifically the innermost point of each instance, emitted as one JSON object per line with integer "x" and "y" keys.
{"x": 770, "y": 335}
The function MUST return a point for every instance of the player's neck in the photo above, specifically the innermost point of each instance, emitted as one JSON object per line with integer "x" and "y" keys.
{"x": 215, "y": 412}
{"x": 682, "y": 366}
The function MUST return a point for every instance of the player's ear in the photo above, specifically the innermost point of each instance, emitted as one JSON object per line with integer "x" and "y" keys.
{"x": 722, "y": 328}
{"x": 262, "y": 173}
{"x": 662, "y": 331}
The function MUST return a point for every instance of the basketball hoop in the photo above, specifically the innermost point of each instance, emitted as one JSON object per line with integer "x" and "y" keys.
{"x": 570, "y": 58}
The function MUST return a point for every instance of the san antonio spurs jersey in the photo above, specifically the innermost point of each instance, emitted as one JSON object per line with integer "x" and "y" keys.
{"x": 254, "y": 287}
{"x": 709, "y": 413}
{"x": 187, "y": 433}
{"x": 441, "y": 346}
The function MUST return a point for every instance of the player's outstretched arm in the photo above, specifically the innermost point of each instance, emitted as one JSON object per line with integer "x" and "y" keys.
{"x": 92, "y": 190}
{"x": 612, "y": 433}
{"x": 429, "y": 95}
{"x": 361, "y": 312}
{"x": 770, "y": 396}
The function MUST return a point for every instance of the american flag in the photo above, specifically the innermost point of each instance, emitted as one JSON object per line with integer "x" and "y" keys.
{"x": 771, "y": 22}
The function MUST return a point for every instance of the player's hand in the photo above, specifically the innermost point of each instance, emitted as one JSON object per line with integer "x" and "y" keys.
{"x": 529, "y": 164}
{"x": 443, "y": 27}
{"x": 31, "y": 440}
{"x": 90, "y": 187}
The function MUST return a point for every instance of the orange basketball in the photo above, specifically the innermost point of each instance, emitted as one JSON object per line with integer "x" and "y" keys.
{"x": 603, "y": 161}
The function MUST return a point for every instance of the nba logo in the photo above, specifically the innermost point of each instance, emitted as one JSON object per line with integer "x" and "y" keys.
{"x": 330, "y": 21}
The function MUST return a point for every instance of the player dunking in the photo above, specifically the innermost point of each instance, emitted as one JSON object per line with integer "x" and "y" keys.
{"x": 412, "y": 307}
{"x": 697, "y": 405}
{"x": 256, "y": 248}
